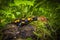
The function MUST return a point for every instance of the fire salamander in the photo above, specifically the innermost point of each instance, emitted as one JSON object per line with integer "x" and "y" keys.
{"x": 23, "y": 21}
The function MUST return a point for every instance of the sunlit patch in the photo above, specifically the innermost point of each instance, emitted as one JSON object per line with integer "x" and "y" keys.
{"x": 13, "y": 26}
{"x": 18, "y": 32}
{"x": 14, "y": 37}
{"x": 2, "y": 20}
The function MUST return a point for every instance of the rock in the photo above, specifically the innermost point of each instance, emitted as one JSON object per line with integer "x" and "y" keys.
{"x": 10, "y": 32}
{"x": 13, "y": 32}
{"x": 27, "y": 31}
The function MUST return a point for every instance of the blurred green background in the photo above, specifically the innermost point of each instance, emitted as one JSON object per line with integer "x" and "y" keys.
{"x": 12, "y": 9}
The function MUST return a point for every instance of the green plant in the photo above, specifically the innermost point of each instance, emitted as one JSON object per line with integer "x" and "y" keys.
{"x": 12, "y": 9}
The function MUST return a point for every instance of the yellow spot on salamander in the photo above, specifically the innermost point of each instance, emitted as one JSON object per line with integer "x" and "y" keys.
{"x": 23, "y": 22}
{"x": 29, "y": 19}
{"x": 23, "y": 18}
{"x": 17, "y": 21}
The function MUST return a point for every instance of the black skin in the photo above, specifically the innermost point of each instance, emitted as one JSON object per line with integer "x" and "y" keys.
{"x": 20, "y": 24}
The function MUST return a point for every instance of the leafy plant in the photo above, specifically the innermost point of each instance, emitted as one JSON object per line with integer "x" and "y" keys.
{"x": 12, "y": 9}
